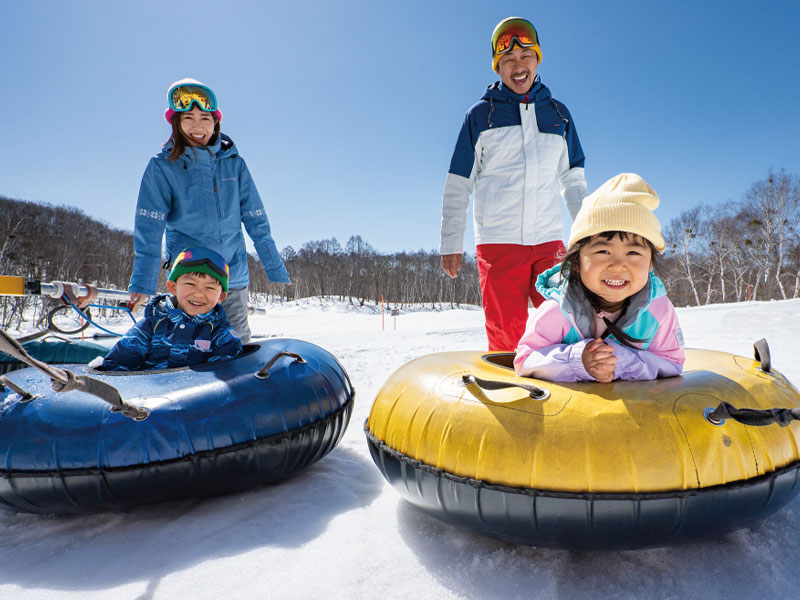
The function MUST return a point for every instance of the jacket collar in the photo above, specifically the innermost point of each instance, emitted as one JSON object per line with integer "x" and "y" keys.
{"x": 552, "y": 285}
{"x": 164, "y": 306}
{"x": 499, "y": 92}
{"x": 223, "y": 147}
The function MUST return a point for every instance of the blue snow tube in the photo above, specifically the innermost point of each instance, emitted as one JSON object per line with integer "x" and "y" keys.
{"x": 210, "y": 429}
{"x": 54, "y": 350}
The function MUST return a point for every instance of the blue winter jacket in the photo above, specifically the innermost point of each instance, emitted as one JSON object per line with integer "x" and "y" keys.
{"x": 167, "y": 337}
{"x": 201, "y": 199}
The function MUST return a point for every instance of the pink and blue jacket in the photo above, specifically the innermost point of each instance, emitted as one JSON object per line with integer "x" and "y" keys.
{"x": 557, "y": 333}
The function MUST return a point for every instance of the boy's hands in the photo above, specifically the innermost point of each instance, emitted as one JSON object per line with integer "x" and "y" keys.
{"x": 599, "y": 361}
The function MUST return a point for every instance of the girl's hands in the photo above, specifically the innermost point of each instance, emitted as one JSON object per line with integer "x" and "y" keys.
{"x": 599, "y": 361}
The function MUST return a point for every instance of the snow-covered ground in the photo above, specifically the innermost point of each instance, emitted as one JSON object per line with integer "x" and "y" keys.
{"x": 338, "y": 530}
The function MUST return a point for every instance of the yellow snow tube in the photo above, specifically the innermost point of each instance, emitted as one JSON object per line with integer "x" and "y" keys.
{"x": 623, "y": 437}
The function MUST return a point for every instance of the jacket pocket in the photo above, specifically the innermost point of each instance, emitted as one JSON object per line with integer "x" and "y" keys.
{"x": 501, "y": 207}
{"x": 227, "y": 197}
{"x": 550, "y": 148}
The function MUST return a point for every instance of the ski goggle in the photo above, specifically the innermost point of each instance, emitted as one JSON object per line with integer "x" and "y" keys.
{"x": 199, "y": 257}
{"x": 182, "y": 97}
{"x": 513, "y": 31}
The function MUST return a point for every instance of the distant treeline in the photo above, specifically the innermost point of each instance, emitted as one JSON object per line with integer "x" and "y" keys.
{"x": 737, "y": 251}
{"x": 727, "y": 252}
{"x": 56, "y": 243}
{"x": 360, "y": 274}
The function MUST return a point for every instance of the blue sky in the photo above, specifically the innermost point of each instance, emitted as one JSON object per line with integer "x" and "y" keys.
{"x": 347, "y": 111}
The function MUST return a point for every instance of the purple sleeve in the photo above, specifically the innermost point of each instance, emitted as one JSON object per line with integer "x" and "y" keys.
{"x": 541, "y": 353}
{"x": 559, "y": 362}
{"x": 665, "y": 355}
{"x": 642, "y": 364}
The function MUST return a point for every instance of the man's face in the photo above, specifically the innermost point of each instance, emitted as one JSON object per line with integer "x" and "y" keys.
{"x": 518, "y": 69}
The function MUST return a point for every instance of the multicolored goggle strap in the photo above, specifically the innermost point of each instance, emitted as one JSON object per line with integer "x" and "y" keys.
{"x": 182, "y": 97}
{"x": 513, "y": 31}
{"x": 201, "y": 260}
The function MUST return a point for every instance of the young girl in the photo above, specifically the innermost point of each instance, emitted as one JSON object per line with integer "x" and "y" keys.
{"x": 607, "y": 315}
{"x": 199, "y": 189}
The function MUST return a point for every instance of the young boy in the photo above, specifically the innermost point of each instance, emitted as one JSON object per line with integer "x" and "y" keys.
{"x": 188, "y": 327}
{"x": 518, "y": 151}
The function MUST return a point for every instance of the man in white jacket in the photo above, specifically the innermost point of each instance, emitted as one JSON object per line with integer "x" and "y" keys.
{"x": 517, "y": 153}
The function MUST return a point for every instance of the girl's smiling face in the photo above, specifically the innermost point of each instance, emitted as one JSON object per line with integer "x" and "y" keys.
{"x": 615, "y": 269}
{"x": 197, "y": 126}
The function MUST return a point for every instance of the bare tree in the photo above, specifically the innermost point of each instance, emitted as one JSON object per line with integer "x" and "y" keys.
{"x": 682, "y": 232}
{"x": 772, "y": 207}
{"x": 722, "y": 233}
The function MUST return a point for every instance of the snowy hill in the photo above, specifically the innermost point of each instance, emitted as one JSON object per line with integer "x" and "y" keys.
{"x": 338, "y": 531}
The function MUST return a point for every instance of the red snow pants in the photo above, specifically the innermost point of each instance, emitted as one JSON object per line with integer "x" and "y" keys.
{"x": 508, "y": 278}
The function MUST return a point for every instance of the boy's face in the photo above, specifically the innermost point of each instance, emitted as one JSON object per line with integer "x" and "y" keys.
{"x": 196, "y": 293}
{"x": 615, "y": 269}
{"x": 518, "y": 69}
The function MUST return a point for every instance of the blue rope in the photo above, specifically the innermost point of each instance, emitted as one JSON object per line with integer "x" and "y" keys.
{"x": 83, "y": 315}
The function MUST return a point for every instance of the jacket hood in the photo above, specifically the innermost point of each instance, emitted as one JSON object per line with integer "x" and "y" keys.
{"x": 551, "y": 283}
{"x": 164, "y": 306}
{"x": 554, "y": 286}
{"x": 222, "y": 148}
{"x": 499, "y": 92}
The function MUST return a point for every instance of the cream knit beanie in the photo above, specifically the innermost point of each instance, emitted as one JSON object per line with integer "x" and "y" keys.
{"x": 623, "y": 203}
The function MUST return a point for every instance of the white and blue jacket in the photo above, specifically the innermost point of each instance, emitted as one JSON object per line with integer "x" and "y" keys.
{"x": 519, "y": 154}
{"x": 201, "y": 199}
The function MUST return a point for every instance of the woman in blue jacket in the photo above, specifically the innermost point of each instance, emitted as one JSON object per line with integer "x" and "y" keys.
{"x": 200, "y": 191}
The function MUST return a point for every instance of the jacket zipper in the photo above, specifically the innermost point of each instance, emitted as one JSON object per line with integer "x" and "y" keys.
{"x": 216, "y": 198}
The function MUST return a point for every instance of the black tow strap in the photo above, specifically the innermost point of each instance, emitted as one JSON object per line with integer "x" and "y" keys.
{"x": 752, "y": 416}
{"x": 535, "y": 392}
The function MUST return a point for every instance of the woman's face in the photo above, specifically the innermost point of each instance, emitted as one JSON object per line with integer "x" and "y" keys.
{"x": 615, "y": 269}
{"x": 197, "y": 126}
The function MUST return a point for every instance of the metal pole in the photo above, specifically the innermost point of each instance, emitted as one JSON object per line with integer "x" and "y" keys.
{"x": 56, "y": 290}
{"x": 11, "y": 285}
